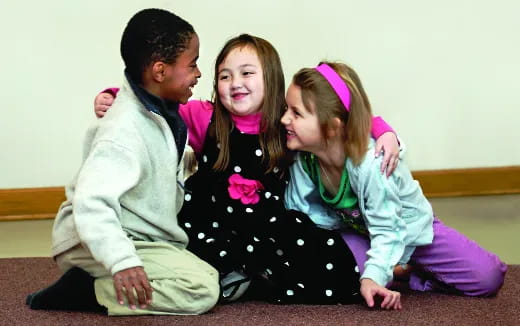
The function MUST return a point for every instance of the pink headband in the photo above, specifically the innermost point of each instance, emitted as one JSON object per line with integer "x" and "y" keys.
{"x": 336, "y": 82}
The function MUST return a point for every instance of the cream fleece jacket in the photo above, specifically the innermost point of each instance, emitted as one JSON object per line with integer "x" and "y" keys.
{"x": 128, "y": 187}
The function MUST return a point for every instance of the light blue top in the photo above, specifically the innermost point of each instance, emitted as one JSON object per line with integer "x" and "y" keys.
{"x": 396, "y": 213}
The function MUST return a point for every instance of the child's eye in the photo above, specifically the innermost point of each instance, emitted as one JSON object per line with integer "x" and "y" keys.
{"x": 223, "y": 77}
{"x": 246, "y": 73}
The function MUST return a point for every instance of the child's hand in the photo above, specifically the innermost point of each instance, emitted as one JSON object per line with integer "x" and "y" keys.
{"x": 391, "y": 299}
{"x": 388, "y": 143}
{"x": 102, "y": 103}
{"x": 128, "y": 280}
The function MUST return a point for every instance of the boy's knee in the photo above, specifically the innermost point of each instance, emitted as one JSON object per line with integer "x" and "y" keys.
{"x": 196, "y": 294}
{"x": 205, "y": 297}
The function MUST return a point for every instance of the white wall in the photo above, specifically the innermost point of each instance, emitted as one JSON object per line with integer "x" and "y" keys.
{"x": 443, "y": 73}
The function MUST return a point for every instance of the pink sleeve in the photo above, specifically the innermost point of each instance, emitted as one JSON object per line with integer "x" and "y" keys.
{"x": 197, "y": 116}
{"x": 111, "y": 90}
{"x": 379, "y": 127}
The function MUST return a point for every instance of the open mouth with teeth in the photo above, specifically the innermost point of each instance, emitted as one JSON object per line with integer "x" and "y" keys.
{"x": 190, "y": 88}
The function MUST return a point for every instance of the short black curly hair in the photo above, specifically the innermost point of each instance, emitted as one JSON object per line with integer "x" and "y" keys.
{"x": 153, "y": 35}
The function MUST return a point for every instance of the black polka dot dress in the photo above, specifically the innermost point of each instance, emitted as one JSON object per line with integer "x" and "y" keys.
{"x": 236, "y": 220}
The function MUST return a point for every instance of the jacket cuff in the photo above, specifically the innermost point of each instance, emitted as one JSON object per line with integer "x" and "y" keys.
{"x": 125, "y": 264}
{"x": 112, "y": 91}
{"x": 379, "y": 127}
{"x": 376, "y": 274}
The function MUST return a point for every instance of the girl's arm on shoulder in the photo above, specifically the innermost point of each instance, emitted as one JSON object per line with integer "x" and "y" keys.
{"x": 387, "y": 142}
{"x": 103, "y": 101}
{"x": 197, "y": 116}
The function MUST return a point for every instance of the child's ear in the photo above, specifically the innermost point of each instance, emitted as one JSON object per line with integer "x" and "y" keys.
{"x": 158, "y": 71}
{"x": 335, "y": 128}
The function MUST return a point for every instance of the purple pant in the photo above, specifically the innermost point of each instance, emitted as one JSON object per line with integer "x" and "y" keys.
{"x": 452, "y": 261}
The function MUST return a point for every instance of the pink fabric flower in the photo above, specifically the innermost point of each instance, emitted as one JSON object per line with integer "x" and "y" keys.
{"x": 244, "y": 189}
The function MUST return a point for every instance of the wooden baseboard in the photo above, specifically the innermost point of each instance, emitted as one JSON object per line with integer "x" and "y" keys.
{"x": 43, "y": 203}
{"x": 469, "y": 182}
{"x": 30, "y": 203}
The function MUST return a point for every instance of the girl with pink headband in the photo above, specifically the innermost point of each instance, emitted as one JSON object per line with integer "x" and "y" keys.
{"x": 385, "y": 221}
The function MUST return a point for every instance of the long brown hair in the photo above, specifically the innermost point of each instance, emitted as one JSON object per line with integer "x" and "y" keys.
{"x": 319, "y": 96}
{"x": 272, "y": 135}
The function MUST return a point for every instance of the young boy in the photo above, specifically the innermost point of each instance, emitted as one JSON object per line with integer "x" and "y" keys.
{"x": 116, "y": 237}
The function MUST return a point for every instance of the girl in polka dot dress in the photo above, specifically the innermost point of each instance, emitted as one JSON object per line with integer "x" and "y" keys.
{"x": 234, "y": 212}
{"x": 337, "y": 182}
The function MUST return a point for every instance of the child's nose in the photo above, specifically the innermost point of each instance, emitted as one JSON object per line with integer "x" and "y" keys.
{"x": 236, "y": 83}
{"x": 285, "y": 119}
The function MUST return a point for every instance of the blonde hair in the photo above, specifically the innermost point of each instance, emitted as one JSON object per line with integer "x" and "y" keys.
{"x": 319, "y": 97}
{"x": 272, "y": 135}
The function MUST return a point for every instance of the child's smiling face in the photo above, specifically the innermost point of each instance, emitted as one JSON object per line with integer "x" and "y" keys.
{"x": 302, "y": 125}
{"x": 240, "y": 82}
{"x": 181, "y": 76}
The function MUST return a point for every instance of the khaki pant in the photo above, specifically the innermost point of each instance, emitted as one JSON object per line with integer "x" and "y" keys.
{"x": 183, "y": 284}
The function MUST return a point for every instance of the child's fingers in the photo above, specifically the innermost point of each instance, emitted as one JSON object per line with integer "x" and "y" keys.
{"x": 386, "y": 301}
{"x": 369, "y": 299}
{"x": 144, "y": 290}
{"x": 398, "y": 305}
{"x": 118, "y": 286}
{"x": 396, "y": 302}
{"x": 392, "y": 164}
{"x": 104, "y": 98}
{"x": 108, "y": 99}
{"x": 386, "y": 295}
{"x": 100, "y": 113}
{"x": 386, "y": 161}
{"x": 378, "y": 149}
{"x": 102, "y": 107}
{"x": 148, "y": 290}
{"x": 130, "y": 295}
{"x": 100, "y": 110}
{"x": 392, "y": 300}
{"x": 141, "y": 296}
{"x": 105, "y": 101}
